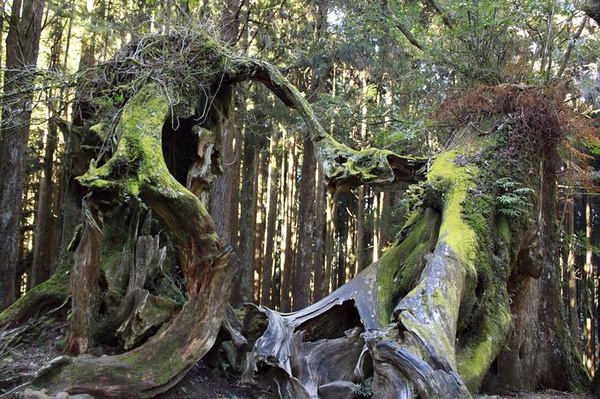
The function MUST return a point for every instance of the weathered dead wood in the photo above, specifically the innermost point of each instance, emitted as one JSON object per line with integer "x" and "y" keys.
{"x": 85, "y": 291}
{"x": 162, "y": 361}
{"x": 409, "y": 304}
{"x": 145, "y": 311}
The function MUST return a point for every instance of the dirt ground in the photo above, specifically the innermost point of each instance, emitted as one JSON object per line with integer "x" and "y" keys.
{"x": 24, "y": 350}
{"x": 204, "y": 382}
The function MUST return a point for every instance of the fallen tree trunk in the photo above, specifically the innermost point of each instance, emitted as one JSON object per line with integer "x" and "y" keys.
{"x": 407, "y": 305}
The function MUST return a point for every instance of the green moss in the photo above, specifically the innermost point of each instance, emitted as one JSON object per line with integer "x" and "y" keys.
{"x": 53, "y": 291}
{"x": 100, "y": 130}
{"x": 138, "y": 160}
{"x": 474, "y": 359}
{"x": 342, "y": 163}
{"x": 403, "y": 263}
{"x": 504, "y": 229}
{"x": 454, "y": 181}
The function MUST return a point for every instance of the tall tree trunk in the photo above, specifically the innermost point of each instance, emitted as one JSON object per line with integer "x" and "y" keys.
{"x": 320, "y": 235}
{"x": 22, "y": 44}
{"x": 224, "y": 196}
{"x": 288, "y": 226}
{"x": 589, "y": 281}
{"x": 270, "y": 233}
{"x": 45, "y": 237}
{"x": 342, "y": 225}
{"x": 306, "y": 229}
{"x": 244, "y": 283}
{"x": 261, "y": 220}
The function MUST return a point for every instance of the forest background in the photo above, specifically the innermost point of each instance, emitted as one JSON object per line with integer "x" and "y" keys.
{"x": 377, "y": 73}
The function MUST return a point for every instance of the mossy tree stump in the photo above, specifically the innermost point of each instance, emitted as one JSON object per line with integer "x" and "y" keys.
{"x": 429, "y": 318}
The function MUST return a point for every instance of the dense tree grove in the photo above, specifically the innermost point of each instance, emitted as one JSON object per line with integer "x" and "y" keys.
{"x": 321, "y": 198}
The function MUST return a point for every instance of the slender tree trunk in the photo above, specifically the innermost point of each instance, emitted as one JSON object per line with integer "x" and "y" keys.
{"x": 22, "y": 44}
{"x": 361, "y": 236}
{"x": 261, "y": 212}
{"x": 270, "y": 233}
{"x": 289, "y": 219}
{"x": 45, "y": 242}
{"x": 320, "y": 235}
{"x": 571, "y": 279}
{"x": 306, "y": 229}
{"x": 44, "y": 237}
{"x": 341, "y": 228}
{"x": 589, "y": 281}
{"x": 224, "y": 196}
{"x": 247, "y": 221}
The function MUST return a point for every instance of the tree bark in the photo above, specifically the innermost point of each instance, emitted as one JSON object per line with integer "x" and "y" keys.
{"x": 45, "y": 242}
{"x": 320, "y": 235}
{"x": 45, "y": 230}
{"x": 288, "y": 226}
{"x": 161, "y": 362}
{"x": 85, "y": 289}
{"x": 22, "y": 44}
{"x": 224, "y": 196}
{"x": 244, "y": 287}
{"x": 270, "y": 233}
{"x": 306, "y": 229}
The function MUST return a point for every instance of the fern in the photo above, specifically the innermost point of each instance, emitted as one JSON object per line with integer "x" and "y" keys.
{"x": 514, "y": 202}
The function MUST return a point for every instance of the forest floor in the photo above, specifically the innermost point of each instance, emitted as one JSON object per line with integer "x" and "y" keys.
{"x": 206, "y": 382}
{"x": 24, "y": 350}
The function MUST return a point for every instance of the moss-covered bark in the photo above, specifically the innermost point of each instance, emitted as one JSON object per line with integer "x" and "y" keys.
{"x": 137, "y": 169}
{"x": 412, "y": 304}
{"x": 342, "y": 165}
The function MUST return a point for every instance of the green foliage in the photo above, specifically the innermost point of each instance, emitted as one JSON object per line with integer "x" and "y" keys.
{"x": 583, "y": 244}
{"x": 514, "y": 198}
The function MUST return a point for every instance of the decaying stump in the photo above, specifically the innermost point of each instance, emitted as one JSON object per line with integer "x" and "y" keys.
{"x": 159, "y": 363}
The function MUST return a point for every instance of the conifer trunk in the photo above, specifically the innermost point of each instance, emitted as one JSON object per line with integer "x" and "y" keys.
{"x": 22, "y": 44}
{"x": 306, "y": 229}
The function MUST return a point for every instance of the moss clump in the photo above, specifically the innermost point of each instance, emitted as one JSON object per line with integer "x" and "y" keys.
{"x": 402, "y": 264}
{"x": 454, "y": 181}
{"x": 47, "y": 295}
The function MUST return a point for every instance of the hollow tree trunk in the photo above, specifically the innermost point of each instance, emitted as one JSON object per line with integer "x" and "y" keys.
{"x": 433, "y": 270}
{"x": 160, "y": 362}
